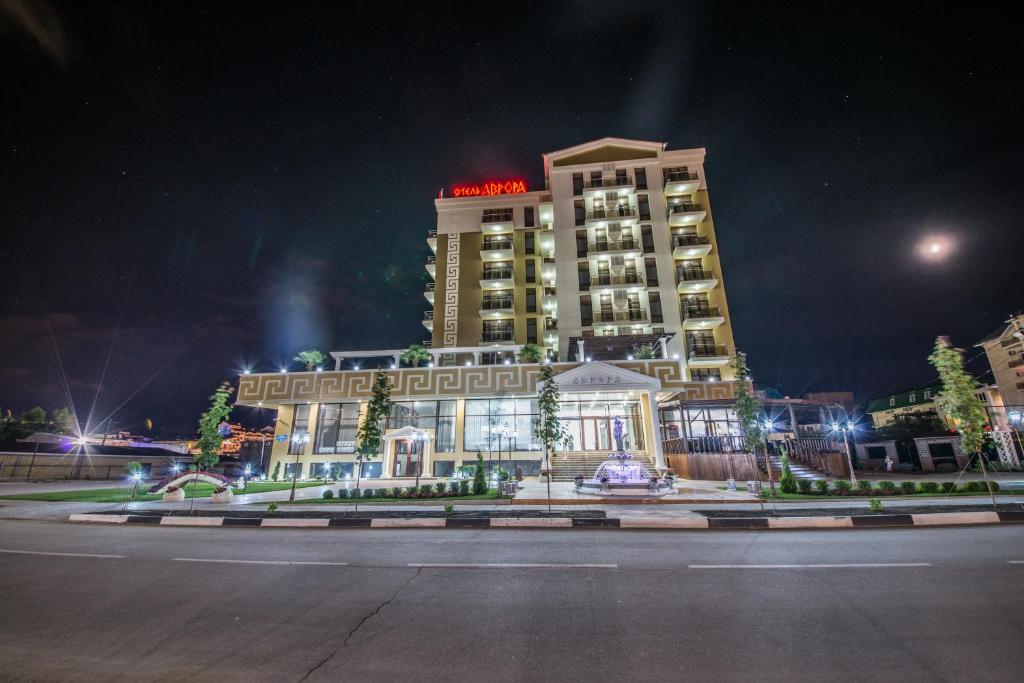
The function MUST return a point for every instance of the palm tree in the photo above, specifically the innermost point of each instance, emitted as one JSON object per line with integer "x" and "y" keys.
{"x": 530, "y": 353}
{"x": 644, "y": 352}
{"x": 311, "y": 358}
{"x": 414, "y": 355}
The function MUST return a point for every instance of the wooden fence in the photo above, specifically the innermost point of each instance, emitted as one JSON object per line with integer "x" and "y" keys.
{"x": 713, "y": 466}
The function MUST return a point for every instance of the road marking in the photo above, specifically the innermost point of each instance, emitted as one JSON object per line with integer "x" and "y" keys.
{"x": 864, "y": 565}
{"x": 284, "y": 562}
{"x": 39, "y": 552}
{"x": 511, "y": 565}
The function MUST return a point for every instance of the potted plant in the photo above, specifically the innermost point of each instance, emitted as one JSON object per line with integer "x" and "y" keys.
{"x": 174, "y": 494}
{"x": 222, "y": 494}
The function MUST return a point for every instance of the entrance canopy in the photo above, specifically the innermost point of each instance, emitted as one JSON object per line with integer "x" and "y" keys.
{"x": 407, "y": 434}
{"x": 599, "y": 376}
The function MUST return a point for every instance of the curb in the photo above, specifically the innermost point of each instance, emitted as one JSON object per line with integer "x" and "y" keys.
{"x": 662, "y": 523}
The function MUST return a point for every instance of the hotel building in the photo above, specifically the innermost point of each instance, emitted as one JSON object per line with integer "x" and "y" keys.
{"x": 613, "y": 269}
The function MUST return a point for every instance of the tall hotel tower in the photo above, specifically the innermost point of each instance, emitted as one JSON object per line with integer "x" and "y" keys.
{"x": 616, "y": 257}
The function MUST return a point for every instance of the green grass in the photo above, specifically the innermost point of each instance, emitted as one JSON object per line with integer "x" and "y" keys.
{"x": 267, "y": 486}
{"x": 490, "y": 495}
{"x": 779, "y": 495}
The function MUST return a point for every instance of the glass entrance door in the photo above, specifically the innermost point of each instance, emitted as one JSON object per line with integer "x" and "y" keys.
{"x": 596, "y": 433}
{"x": 408, "y": 455}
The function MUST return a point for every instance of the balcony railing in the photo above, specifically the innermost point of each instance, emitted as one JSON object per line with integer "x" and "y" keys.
{"x": 428, "y": 315}
{"x": 679, "y": 176}
{"x": 627, "y": 279}
{"x": 496, "y": 217}
{"x": 694, "y": 275}
{"x": 620, "y": 316}
{"x": 503, "y": 274}
{"x": 489, "y": 336}
{"x": 689, "y": 241}
{"x": 609, "y": 245}
{"x": 1016, "y": 363}
{"x": 550, "y": 324}
{"x": 550, "y": 291}
{"x": 701, "y": 312}
{"x": 431, "y": 233}
{"x": 613, "y": 213}
{"x": 707, "y": 351}
{"x": 432, "y": 259}
{"x": 430, "y": 286}
{"x": 600, "y": 183}
{"x": 496, "y": 245}
{"x": 1009, "y": 342}
{"x": 685, "y": 208}
{"x": 496, "y": 304}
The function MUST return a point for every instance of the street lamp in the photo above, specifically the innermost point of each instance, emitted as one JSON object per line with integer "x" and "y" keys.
{"x": 508, "y": 433}
{"x": 847, "y": 429}
{"x": 301, "y": 439}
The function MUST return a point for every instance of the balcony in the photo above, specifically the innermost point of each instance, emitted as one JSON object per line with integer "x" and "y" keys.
{"x": 496, "y": 308}
{"x": 597, "y": 187}
{"x": 432, "y": 240}
{"x": 685, "y": 213}
{"x": 624, "y": 247}
{"x": 492, "y": 222}
{"x": 692, "y": 280}
{"x": 707, "y": 355}
{"x": 497, "y": 279}
{"x": 702, "y": 317}
{"x": 630, "y": 280}
{"x": 681, "y": 182}
{"x": 497, "y": 336}
{"x": 616, "y": 214}
{"x": 690, "y": 246}
{"x": 432, "y": 265}
{"x": 428, "y": 292}
{"x": 428, "y": 320}
{"x": 633, "y": 316}
{"x": 550, "y": 324}
{"x": 1015, "y": 363}
{"x": 496, "y": 250}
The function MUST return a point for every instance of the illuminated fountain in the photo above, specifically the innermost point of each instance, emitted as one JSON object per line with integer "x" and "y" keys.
{"x": 621, "y": 475}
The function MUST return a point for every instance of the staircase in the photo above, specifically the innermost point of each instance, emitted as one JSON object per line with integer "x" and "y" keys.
{"x": 567, "y": 466}
{"x": 800, "y": 471}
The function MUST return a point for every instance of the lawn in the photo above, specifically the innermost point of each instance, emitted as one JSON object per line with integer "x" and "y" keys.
{"x": 118, "y": 495}
{"x": 490, "y": 495}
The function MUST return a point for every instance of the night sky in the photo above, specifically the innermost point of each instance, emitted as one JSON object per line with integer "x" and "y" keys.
{"x": 186, "y": 190}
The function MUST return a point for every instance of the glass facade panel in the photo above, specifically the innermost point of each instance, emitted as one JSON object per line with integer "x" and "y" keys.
{"x": 300, "y": 429}
{"x": 438, "y": 416}
{"x": 484, "y": 418}
{"x": 336, "y": 428}
{"x": 589, "y": 424}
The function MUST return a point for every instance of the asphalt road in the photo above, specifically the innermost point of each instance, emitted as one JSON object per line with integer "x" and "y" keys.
{"x": 290, "y": 605}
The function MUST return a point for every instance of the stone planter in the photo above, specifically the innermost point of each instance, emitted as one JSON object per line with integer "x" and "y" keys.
{"x": 225, "y": 497}
{"x": 174, "y": 496}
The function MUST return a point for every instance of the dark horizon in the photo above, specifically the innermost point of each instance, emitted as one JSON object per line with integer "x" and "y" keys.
{"x": 194, "y": 189}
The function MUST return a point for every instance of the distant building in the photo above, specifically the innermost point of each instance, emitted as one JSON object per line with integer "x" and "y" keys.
{"x": 1005, "y": 351}
{"x": 913, "y": 401}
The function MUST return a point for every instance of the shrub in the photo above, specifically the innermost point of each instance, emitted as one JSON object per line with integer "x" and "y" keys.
{"x": 995, "y": 485}
{"x": 787, "y": 482}
{"x": 449, "y": 510}
{"x": 479, "y": 478}
{"x": 804, "y": 485}
{"x": 909, "y": 486}
{"x": 822, "y": 487}
{"x": 272, "y": 509}
{"x": 367, "y": 493}
{"x": 395, "y": 492}
{"x": 439, "y": 488}
{"x": 464, "y": 487}
{"x": 842, "y": 487}
{"x": 454, "y": 487}
{"x": 277, "y": 471}
{"x": 426, "y": 491}
{"x": 342, "y": 493}
{"x": 974, "y": 486}
{"x": 929, "y": 486}
{"x": 409, "y": 492}
{"x": 328, "y": 494}
{"x": 863, "y": 485}
{"x": 947, "y": 486}
{"x": 875, "y": 505}
{"x": 886, "y": 487}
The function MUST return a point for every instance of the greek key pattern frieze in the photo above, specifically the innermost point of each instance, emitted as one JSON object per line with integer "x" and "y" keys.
{"x": 451, "y": 291}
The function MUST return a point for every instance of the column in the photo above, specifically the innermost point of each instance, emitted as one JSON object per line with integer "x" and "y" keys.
{"x": 659, "y": 448}
{"x": 792, "y": 421}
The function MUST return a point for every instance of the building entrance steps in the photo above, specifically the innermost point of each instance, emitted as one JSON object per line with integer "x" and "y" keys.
{"x": 800, "y": 471}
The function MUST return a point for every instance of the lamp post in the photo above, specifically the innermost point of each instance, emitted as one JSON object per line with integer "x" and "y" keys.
{"x": 301, "y": 439}
{"x": 847, "y": 429}
{"x": 768, "y": 425}
{"x": 508, "y": 433}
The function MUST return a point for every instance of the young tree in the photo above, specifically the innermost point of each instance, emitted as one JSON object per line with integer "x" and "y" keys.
{"x": 34, "y": 418}
{"x": 311, "y": 358}
{"x": 414, "y": 355}
{"x": 959, "y": 400}
{"x": 549, "y": 429}
{"x": 644, "y": 352}
{"x": 748, "y": 411}
{"x": 479, "y": 476}
{"x": 210, "y": 436}
{"x": 370, "y": 433}
{"x": 787, "y": 482}
{"x": 530, "y": 353}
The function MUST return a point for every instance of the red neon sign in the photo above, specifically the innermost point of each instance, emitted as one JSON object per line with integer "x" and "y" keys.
{"x": 491, "y": 188}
